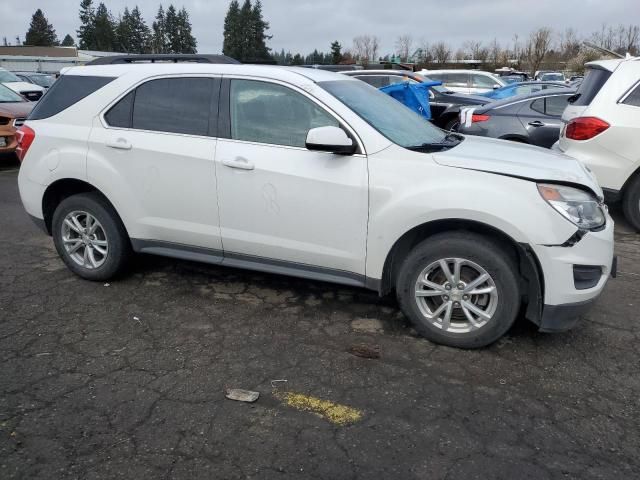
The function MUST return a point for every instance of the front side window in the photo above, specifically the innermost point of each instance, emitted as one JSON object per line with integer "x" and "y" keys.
{"x": 457, "y": 79}
{"x": 633, "y": 98}
{"x": 269, "y": 113}
{"x": 176, "y": 105}
{"x": 391, "y": 118}
{"x": 483, "y": 81}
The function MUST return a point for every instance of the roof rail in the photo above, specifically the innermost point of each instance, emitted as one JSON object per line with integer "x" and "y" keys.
{"x": 164, "y": 58}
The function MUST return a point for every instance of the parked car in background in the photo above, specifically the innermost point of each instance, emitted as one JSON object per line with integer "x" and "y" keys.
{"x": 43, "y": 79}
{"x": 313, "y": 174}
{"x": 14, "y": 109}
{"x": 512, "y": 78}
{"x": 602, "y": 129}
{"x": 522, "y": 88}
{"x": 551, "y": 77}
{"x": 466, "y": 81}
{"x": 444, "y": 103}
{"x": 533, "y": 119}
{"x": 28, "y": 90}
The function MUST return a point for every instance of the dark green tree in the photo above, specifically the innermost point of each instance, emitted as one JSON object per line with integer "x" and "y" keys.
{"x": 186, "y": 42}
{"x": 258, "y": 34}
{"x": 123, "y": 33}
{"x": 159, "y": 42}
{"x": 68, "y": 41}
{"x": 336, "y": 52}
{"x": 297, "y": 60}
{"x": 87, "y": 31}
{"x": 232, "y": 31}
{"x": 104, "y": 28}
{"x": 140, "y": 35}
{"x": 41, "y": 32}
{"x": 171, "y": 29}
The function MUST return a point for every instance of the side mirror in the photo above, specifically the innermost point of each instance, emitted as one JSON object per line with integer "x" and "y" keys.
{"x": 330, "y": 139}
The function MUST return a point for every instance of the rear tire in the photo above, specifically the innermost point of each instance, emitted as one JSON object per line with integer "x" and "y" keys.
{"x": 90, "y": 237}
{"x": 631, "y": 202}
{"x": 471, "y": 306}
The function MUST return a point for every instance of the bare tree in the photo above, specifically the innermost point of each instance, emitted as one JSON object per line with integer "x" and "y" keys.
{"x": 569, "y": 43}
{"x": 365, "y": 48}
{"x": 537, "y": 48}
{"x": 403, "y": 47}
{"x": 441, "y": 52}
{"x": 426, "y": 54}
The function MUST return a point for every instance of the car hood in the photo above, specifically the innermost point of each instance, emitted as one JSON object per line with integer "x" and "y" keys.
{"x": 23, "y": 87}
{"x": 518, "y": 160}
{"x": 16, "y": 109}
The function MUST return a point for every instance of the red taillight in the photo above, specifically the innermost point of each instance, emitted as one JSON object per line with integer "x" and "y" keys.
{"x": 584, "y": 128}
{"x": 25, "y": 136}
{"x": 477, "y": 117}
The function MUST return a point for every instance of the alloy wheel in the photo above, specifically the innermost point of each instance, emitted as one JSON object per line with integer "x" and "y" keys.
{"x": 84, "y": 239}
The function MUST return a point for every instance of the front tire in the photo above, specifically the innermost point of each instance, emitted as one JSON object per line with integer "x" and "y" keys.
{"x": 459, "y": 289}
{"x": 631, "y": 202}
{"x": 90, "y": 237}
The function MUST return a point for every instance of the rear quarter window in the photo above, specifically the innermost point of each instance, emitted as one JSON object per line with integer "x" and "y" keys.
{"x": 594, "y": 80}
{"x": 65, "y": 92}
{"x": 633, "y": 98}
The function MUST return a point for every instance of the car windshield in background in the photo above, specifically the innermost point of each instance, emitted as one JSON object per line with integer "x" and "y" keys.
{"x": 552, "y": 77}
{"x": 388, "y": 116}
{"x": 6, "y": 76}
{"x": 42, "y": 80}
{"x": 9, "y": 96}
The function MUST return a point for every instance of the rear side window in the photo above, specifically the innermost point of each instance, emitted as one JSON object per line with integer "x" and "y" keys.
{"x": 593, "y": 81}
{"x": 174, "y": 105}
{"x": 552, "y": 106}
{"x": 65, "y": 92}
{"x": 634, "y": 97}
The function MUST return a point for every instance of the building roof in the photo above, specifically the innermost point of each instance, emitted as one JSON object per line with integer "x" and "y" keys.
{"x": 30, "y": 51}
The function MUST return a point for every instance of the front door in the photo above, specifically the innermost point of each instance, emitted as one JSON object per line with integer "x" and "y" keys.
{"x": 279, "y": 202}
{"x": 543, "y": 119}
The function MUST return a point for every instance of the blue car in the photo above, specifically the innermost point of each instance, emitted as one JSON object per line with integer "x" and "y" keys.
{"x": 521, "y": 88}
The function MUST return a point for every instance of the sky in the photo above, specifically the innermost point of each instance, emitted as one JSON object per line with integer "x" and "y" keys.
{"x": 305, "y": 25}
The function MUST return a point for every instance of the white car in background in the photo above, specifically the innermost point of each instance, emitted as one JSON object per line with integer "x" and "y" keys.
{"x": 314, "y": 174}
{"x": 602, "y": 129}
{"x": 28, "y": 90}
{"x": 466, "y": 81}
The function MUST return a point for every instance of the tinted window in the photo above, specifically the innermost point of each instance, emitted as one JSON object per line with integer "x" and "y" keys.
{"x": 556, "y": 105}
{"x": 593, "y": 81}
{"x": 633, "y": 98}
{"x": 269, "y": 113}
{"x": 377, "y": 81}
{"x": 120, "y": 114}
{"x": 67, "y": 91}
{"x": 538, "y": 105}
{"x": 177, "y": 105}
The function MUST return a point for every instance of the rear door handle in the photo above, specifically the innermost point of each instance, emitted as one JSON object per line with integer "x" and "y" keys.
{"x": 119, "y": 143}
{"x": 537, "y": 123}
{"x": 239, "y": 163}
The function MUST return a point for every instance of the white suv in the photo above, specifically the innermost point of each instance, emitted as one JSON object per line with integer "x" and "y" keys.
{"x": 602, "y": 129}
{"x": 317, "y": 175}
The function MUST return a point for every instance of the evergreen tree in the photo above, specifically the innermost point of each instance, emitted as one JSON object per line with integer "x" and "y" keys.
{"x": 140, "y": 34}
{"x": 160, "y": 43}
{"x": 244, "y": 31}
{"x": 68, "y": 41}
{"x": 87, "y": 32}
{"x": 336, "y": 52}
{"x": 186, "y": 42}
{"x": 230, "y": 45}
{"x": 41, "y": 32}
{"x": 258, "y": 34}
{"x": 104, "y": 28}
{"x": 171, "y": 30}
{"x": 297, "y": 60}
{"x": 123, "y": 33}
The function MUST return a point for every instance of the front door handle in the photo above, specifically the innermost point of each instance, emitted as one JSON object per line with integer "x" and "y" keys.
{"x": 119, "y": 143}
{"x": 239, "y": 163}
{"x": 537, "y": 123}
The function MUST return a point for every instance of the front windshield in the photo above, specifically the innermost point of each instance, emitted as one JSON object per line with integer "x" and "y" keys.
{"x": 391, "y": 118}
{"x": 6, "y": 76}
{"x": 42, "y": 80}
{"x": 552, "y": 77}
{"x": 9, "y": 96}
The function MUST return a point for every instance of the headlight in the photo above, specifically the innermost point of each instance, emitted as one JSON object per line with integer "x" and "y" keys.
{"x": 577, "y": 206}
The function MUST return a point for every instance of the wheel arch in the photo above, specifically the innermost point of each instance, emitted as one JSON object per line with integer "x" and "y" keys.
{"x": 64, "y": 188}
{"x": 530, "y": 271}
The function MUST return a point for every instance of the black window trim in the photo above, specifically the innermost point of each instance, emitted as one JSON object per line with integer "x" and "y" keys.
{"x": 224, "y": 119}
{"x": 628, "y": 93}
{"x": 213, "y": 107}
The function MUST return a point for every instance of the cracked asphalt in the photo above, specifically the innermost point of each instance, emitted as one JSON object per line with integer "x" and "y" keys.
{"x": 128, "y": 380}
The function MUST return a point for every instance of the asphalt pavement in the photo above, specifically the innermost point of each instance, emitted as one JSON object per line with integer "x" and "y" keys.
{"x": 128, "y": 379}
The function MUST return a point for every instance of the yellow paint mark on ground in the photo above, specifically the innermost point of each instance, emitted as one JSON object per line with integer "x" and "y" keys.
{"x": 334, "y": 412}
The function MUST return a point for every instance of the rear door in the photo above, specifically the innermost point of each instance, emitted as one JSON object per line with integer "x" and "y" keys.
{"x": 153, "y": 151}
{"x": 542, "y": 119}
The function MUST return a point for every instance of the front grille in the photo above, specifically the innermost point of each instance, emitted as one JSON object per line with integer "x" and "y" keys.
{"x": 33, "y": 96}
{"x": 18, "y": 122}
